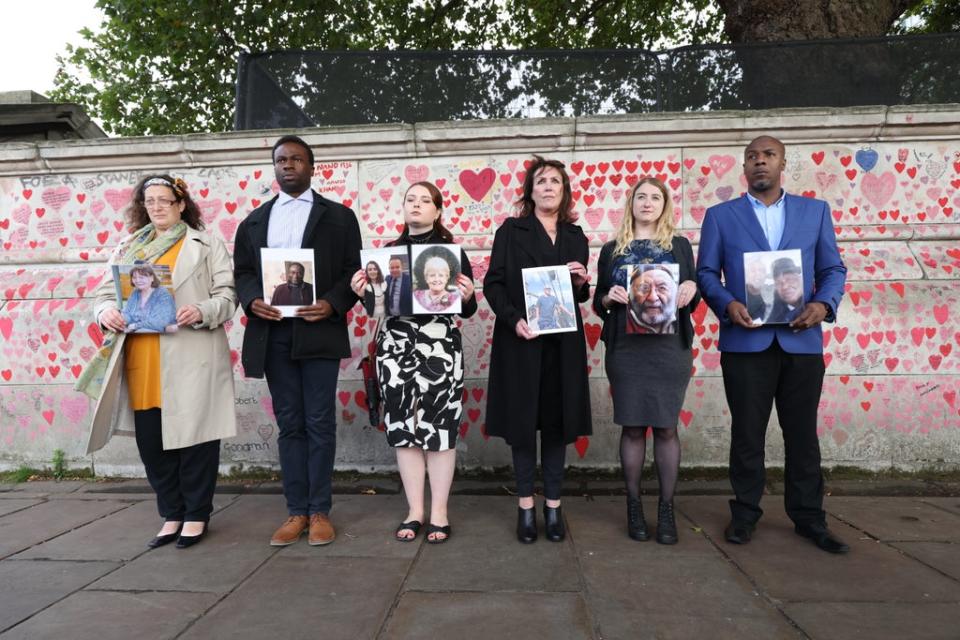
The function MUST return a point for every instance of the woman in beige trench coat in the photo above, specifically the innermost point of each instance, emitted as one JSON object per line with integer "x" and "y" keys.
{"x": 176, "y": 398}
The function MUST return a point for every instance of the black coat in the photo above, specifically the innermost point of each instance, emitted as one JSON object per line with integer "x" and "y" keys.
{"x": 334, "y": 235}
{"x": 613, "y": 318}
{"x": 514, "y": 381}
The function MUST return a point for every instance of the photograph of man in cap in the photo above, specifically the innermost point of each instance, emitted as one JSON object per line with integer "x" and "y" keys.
{"x": 788, "y": 291}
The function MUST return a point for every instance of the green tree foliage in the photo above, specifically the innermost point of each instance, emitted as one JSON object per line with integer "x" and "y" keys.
{"x": 157, "y": 67}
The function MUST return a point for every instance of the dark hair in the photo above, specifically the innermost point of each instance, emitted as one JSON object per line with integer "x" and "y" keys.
{"x": 137, "y": 216}
{"x": 295, "y": 140}
{"x": 146, "y": 270}
{"x": 441, "y": 231}
{"x": 525, "y": 206}
{"x": 420, "y": 280}
{"x": 379, "y": 271}
{"x": 784, "y": 265}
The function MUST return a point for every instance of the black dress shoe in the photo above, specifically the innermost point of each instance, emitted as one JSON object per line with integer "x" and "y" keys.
{"x": 636, "y": 525}
{"x": 167, "y": 538}
{"x": 666, "y": 523}
{"x": 822, "y": 537}
{"x": 526, "y": 525}
{"x": 553, "y": 523}
{"x": 738, "y": 532}
{"x": 188, "y": 541}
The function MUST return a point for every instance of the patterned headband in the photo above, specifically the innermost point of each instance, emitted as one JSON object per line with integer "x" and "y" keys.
{"x": 179, "y": 186}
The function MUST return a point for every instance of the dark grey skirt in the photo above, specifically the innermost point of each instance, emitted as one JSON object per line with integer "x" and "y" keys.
{"x": 648, "y": 377}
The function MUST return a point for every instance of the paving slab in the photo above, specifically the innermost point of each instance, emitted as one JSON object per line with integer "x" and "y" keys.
{"x": 48, "y": 520}
{"x": 11, "y": 505}
{"x": 788, "y": 567}
{"x": 890, "y": 519}
{"x": 600, "y": 524}
{"x": 122, "y": 535}
{"x": 483, "y": 553}
{"x": 943, "y": 556}
{"x": 877, "y": 620}
{"x": 365, "y": 528}
{"x": 319, "y": 597}
{"x": 236, "y": 545}
{"x": 28, "y": 587}
{"x": 99, "y": 615}
{"x": 530, "y": 616}
{"x": 947, "y": 504}
{"x": 50, "y": 486}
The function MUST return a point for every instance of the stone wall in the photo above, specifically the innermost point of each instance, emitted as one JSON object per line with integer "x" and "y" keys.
{"x": 891, "y": 176}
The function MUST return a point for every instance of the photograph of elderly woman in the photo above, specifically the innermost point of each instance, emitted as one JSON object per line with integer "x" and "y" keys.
{"x": 652, "y": 291}
{"x": 146, "y": 293}
{"x": 773, "y": 281}
{"x": 435, "y": 271}
{"x": 550, "y": 302}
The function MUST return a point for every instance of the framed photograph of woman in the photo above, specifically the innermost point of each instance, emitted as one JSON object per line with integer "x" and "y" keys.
{"x": 773, "y": 281}
{"x": 145, "y": 292}
{"x": 376, "y": 266}
{"x": 652, "y": 292}
{"x": 435, "y": 271}
{"x": 288, "y": 277}
{"x": 548, "y": 292}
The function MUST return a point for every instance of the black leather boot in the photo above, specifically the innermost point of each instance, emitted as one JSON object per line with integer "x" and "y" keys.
{"x": 527, "y": 525}
{"x": 553, "y": 523}
{"x": 666, "y": 524}
{"x": 636, "y": 525}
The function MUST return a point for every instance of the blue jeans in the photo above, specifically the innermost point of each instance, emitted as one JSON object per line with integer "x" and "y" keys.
{"x": 304, "y": 401}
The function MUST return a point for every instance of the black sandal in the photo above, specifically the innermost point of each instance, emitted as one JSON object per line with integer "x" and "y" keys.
{"x": 413, "y": 525}
{"x": 433, "y": 528}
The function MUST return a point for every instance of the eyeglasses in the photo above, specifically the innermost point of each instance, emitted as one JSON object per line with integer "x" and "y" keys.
{"x": 159, "y": 203}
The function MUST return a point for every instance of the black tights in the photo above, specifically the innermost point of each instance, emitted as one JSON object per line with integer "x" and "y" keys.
{"x": 633, "y": 450}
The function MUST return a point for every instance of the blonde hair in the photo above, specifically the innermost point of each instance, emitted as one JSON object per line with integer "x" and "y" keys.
{"x": 665, "y": 227}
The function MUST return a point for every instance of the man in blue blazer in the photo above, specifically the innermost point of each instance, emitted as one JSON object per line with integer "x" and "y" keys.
{"x": 766, "y": 364}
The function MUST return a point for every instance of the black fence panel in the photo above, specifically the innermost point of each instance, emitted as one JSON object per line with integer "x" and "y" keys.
{"x": 317, "y": 88}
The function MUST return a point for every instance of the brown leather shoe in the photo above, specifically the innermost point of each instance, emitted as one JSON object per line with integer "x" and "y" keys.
{"x": 321, "y": 531}
{"x": 289, "y": 532}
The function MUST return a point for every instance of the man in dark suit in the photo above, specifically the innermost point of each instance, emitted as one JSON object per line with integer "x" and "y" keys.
{"x": 788, "y": 291}
{"x": 295, "y": 292}
{"x": 399, "y": 301}
{"x": 764, "y": 364}
{"x": 300, "y": 356}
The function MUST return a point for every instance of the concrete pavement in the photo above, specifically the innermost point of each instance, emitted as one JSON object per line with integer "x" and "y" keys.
{"x": 73, "y": 564}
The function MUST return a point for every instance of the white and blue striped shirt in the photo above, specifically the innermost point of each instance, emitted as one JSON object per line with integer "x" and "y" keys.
{"x": 288, "y": 220}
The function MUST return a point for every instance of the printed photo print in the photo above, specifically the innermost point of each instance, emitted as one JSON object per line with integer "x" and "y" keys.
{"x": 435, "y": 271}
{"x": 145, "y": 292}
{"x": 389, "y": 285}
{"x": 774, "y": 284}
{"x": 652, "y": 292}
{"x": 548, "y": 292}
{"x": 288, "y": 278}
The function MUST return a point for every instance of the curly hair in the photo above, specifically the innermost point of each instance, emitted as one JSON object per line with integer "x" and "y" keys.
{"x": 136, "y": 213}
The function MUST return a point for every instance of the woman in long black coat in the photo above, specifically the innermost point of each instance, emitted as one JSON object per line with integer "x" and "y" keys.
{"x": 537, "y": 382}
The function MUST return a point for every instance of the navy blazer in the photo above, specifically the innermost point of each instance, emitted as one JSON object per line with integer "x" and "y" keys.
{"x": 731, "y": 229}
{"x": 406, "y": 295}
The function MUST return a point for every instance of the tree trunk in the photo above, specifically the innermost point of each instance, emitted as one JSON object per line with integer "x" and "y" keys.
{"x": 824, "y": 75}
{"x": 778, "y": 20}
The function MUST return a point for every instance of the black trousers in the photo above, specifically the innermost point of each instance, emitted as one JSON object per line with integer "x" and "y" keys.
{"x": 183, "y": 479}
{"x": 753, "y": 382}
{"x": 553, "y": 454}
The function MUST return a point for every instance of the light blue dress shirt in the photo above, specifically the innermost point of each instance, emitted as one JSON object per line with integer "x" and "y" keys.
{"x": 288, "y": 220}
{"x": 771, "y": 219}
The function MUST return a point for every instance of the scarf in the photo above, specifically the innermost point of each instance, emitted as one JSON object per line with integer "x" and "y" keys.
{"x": 145, "y": 245}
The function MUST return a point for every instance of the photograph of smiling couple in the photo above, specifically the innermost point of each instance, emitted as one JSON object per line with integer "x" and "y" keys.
{"x": 774, "y": 285}
{"x": 423, "y": 282}
{"x": 652, "y": 292}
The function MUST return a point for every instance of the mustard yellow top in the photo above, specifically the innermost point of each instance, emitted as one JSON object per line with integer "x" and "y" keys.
{"x": 142, "y": 355}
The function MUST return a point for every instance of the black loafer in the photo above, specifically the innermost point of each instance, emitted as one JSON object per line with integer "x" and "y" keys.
{"x": 188, "y": 541}
{"x": 738, "y": 532}
{"x": 167, "y": 538}
{"x": 822, "y": 537}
